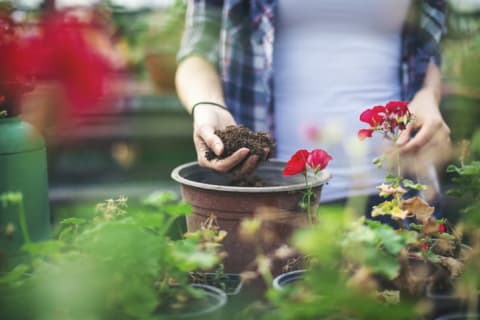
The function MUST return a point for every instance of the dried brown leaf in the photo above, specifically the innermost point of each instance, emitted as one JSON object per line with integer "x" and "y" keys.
{"x": 419, "y": 208}
{"x": 454, "y": 266}
{"x": 444, "y": 247}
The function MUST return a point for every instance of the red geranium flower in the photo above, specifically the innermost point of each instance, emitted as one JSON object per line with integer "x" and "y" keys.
{"x": 397, "y": 108}
{"x": 365, "y": 133}
{"x": 425, "y": 247}
{"x": 297, "y": 163}
{"x": 441, "y": 228}
{"x": 318, "y": 159}
{"x": 374, "y": 116}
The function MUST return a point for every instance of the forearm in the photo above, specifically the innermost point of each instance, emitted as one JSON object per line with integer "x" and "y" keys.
{"x": 432, "y": 85}
{"x": 197, "y": 80}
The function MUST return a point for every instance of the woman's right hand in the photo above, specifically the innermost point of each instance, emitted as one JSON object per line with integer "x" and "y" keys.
{"x": 207, "y": 119}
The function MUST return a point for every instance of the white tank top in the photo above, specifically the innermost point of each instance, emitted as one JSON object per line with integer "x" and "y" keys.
{"x": 332, "y": 60}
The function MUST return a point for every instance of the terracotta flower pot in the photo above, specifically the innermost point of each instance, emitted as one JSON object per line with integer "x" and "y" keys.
{"x": 161, "y": 67}
{"x": 209, "y": 194}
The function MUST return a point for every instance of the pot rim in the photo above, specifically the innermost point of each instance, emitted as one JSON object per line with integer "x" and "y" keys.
{"x": 220, "y": 296}
{"x": 278, "y": 281}
{"x": 320, "y": 179}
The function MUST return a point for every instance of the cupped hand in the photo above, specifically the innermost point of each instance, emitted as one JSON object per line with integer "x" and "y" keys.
{"x": 207, "y": 119}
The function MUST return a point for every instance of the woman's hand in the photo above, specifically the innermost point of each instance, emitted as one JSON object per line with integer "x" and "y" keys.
{"x": 427, "y": 138}
{"x": 207, "y": 119}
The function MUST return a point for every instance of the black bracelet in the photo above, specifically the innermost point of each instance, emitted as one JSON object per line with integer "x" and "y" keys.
{"x": 210, "y": 103}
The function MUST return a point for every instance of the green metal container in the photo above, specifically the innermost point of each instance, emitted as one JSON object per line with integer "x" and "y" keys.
{"x": 23, "y": 168}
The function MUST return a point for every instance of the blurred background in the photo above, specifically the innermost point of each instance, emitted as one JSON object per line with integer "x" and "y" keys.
{"x": 128, "y": 140}
{"x": 138, "y": 132}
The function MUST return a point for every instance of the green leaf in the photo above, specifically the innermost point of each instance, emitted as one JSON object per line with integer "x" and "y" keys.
{"x": 453, "y": 169}
{"x": 159, "y": 198}
{"x": 45, "y": 248}
{"x": 14, "y": 275}
{"x": 189, "y": 258}
{"x": 178, "y": 209}
{"x": 73, "y": 221}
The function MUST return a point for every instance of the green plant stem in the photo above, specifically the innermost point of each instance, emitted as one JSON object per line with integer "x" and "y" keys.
{"x": 166, "y": 226}
{"x": 309, "y": 195}
{"x": 23, "y": 221}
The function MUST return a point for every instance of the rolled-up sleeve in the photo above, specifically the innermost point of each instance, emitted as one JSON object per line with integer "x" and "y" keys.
{"x": 202, "y": 30}
{"x": 432, "y": 22}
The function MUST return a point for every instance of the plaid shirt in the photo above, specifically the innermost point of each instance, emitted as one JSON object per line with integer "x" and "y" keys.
{"x": 237, "y": 36}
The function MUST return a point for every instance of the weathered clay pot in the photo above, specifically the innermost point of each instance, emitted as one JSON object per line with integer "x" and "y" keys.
{"x": 209, "y": 193}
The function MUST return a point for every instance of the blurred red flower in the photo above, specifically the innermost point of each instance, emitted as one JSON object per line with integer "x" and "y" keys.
{"x": 318, "y": 159}
{"x": 364, "y": 133}
{"x": 441, "y": 228}
{"x": 61, "y": 49}
{"x": 374, "y": 116}
{"x": 297, "y": 163}
{"x": 14, "y": 75}
{"x": 66, "y": 53}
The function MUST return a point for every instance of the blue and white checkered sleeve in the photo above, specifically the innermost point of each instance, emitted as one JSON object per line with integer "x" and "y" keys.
{"x": 202, "y": 30}
{"x": 432, "y": 22}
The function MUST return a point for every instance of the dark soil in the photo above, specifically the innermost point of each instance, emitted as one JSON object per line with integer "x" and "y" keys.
{"x": 236, "y": 137}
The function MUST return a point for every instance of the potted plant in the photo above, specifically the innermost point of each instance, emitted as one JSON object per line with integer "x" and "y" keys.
{"x": 293, "y": 195}
{"x": 464, "y": 295}
{"x": 358, "y": 268}
{"x": 122, "y": 265}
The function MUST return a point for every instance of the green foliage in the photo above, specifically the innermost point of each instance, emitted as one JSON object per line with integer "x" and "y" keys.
{"x": 118, "y": 264}
{"x": 407, "y": 183}
{"x": 467, "y": 185}
{"x": 325, "y": 292}
{"x": 376, "y": 246}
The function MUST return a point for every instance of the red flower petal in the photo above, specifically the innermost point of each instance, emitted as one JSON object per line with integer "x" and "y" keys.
{"x": 364, "y": 133}
{"x": 318, "y": 159}
{"x": 297, "y": 163}
{"x": 441, "y": 228}
{"x": 374, "y": 116}
{"x": 397, "y": 108}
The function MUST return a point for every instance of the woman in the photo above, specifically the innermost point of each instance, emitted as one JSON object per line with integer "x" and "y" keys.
{"x": 278, "y": 66}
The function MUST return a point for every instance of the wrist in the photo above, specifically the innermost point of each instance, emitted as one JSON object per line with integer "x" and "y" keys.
{"x": 208, "y": 104}
{"x": 431, "y": 94}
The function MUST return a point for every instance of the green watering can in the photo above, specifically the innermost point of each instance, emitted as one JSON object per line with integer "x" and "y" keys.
{"x": 23, "y": 171}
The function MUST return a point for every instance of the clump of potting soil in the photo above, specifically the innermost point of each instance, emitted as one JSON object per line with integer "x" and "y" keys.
{"x": 236, "y": 137}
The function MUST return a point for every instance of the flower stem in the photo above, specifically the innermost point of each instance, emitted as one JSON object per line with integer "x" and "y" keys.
{"x": 309, "y": 195}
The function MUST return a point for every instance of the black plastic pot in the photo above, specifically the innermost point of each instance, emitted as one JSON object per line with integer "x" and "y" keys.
{"x": 230, "y": 283}
{"x": 215, "y": 300}
{"x": 283, "y": 280}
{"x": 444, "y": 302}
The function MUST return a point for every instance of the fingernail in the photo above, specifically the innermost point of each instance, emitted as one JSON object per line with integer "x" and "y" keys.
{"x": 244, "y": 151}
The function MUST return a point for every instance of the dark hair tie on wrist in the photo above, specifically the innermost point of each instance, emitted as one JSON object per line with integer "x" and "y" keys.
{"x": 210, "y": 103}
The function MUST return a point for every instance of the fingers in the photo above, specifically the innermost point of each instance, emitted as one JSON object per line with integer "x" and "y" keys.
{"x": 423, "y": 136}
{"x": 223, "y": 165}
{"x": 247, "y": 167}
{"x": 405, "y": 136}
{"x": 212, "y": 141}
{"x": 431, "y": 145}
